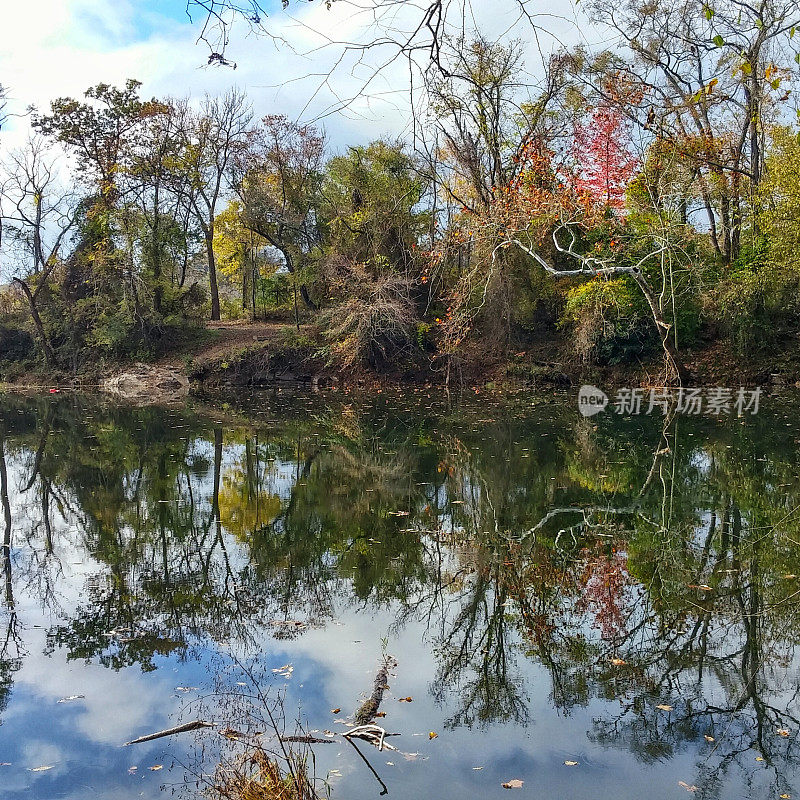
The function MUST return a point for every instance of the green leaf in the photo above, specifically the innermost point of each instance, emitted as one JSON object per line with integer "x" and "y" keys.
{"x": 718, "y": 40}
{"x": 708, "y": 12}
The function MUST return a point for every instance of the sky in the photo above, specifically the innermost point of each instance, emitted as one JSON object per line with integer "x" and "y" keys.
{"x": 55, "y": 48}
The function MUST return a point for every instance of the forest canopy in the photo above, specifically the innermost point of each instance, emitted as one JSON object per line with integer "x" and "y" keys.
{"x": 633, "y": 201}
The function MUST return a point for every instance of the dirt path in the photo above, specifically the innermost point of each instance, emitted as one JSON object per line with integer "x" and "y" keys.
{"x": 227, "y": 337}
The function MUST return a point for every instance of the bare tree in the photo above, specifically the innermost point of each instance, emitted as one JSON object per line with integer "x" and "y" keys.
{"x": 41, "y": 212}
{"x": 412, "y": 32}
{"x": 210, "y": 139}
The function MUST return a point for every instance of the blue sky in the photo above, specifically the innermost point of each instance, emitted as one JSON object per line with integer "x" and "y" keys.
{"x": 53, "y": 48}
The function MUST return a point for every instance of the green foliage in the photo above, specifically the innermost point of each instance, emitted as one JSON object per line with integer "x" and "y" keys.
{"x": 610, "y": 320}
{"x": 372, "y": 202}
{"x": 15, "y": 344}
{"x": 757, "y": 305}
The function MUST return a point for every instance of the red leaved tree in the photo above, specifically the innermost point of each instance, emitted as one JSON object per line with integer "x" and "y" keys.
{"x": 602, "y": 149}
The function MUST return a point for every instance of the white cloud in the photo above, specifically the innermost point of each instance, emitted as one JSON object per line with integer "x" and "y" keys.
{"x": 52, "y": 48}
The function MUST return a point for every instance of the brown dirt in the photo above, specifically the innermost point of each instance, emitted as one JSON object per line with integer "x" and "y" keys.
{"x": 228, "y": 337}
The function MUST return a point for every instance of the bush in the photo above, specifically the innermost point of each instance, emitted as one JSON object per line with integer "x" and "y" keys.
{"x": 610, "y": 320}
{"x": 756, "y": 306}
{"x": 375, "y": 328}
{"x": 15, "y": 344}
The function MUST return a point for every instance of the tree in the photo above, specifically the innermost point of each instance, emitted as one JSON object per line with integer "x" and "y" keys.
{"x": 543, "y": 212}
{"x": 160, "y": 189}
{"x": 99, "y": 284}
{"x": 41, "y": 214}
{"x": 210, "y": 142}
{"x": 278, "y": 178}
{"x": 603, "y": 154}
{"x": 237, "y": 250}
{"x": 488, "y": 124}
{"x": 99, "y": 133}
{"x": 711, "y": 74}
{"x": 375, "y": 224}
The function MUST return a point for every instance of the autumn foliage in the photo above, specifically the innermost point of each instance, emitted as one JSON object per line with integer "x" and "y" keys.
{"x": 603, "y": 153}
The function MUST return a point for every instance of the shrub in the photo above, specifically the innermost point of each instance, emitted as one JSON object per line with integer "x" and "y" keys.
{"x": 15, "y": 344}
{"x": 610, "y": 320}
{"x": 373, "y": 328}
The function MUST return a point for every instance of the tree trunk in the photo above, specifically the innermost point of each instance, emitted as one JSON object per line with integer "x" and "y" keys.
{"x": 158, "y": 289}
{"x": 664, "y": 330}
{"x": 212, "y": 273}
{"x": 49, "y": 356}
{"x": 247, "y": 280}
{"x": 303, "y": 290}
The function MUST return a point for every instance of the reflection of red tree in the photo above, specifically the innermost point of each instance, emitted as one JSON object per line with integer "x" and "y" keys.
{"x": 604, "y": 579}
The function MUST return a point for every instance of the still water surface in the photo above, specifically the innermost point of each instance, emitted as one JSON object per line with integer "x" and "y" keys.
{"x": 614, "y": 593}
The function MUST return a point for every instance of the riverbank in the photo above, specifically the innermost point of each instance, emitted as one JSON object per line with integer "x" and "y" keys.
{"x": 257, "y": 354}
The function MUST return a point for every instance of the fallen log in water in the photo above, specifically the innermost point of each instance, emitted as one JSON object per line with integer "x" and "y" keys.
{"x": 189, "y": 726}
{"x": 369, "y": 708}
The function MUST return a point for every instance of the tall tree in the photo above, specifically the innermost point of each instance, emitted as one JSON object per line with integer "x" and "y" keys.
{"x": 39, "y": 214}
{"x": 278, "y": 182}
{"x": 711, "y": 73}
{"x": 605, "y": 161}
{"x": 210, "y": 141}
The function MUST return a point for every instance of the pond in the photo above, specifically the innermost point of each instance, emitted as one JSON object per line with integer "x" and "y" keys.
{"x": 602, "y": 607}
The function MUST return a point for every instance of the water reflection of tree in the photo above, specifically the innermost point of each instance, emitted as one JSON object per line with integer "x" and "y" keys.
{"x": 633, "y": 562}
{"x": 667, "y": 589}
{"x": 11, "y": 650}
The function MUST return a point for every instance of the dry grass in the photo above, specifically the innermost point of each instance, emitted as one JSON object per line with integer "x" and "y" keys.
{"x": 256, "y": 776}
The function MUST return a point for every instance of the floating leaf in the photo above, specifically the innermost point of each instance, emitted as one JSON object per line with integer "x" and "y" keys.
{"x": 71, "y": 698}
{"x": 433, "y": 735}
{"x": 618, "y": 662}
{"x": 335, "y": 710}
{"x": 571, "y": 763}
{"x": 41, "y": 769}
{"x": 708, "y": 738}
{"x": 514, "y": 784}
{"x": 156, "y": 767}
{"x": 405, "y": 700}
{"x": 687, "y": 787}
{"x": 664, "y": 707}
{"x": 782, "y": 732}
{"x": 380, "y": 714}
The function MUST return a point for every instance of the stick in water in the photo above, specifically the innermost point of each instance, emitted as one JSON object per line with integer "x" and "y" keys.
{"x": 189, "y": 726}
